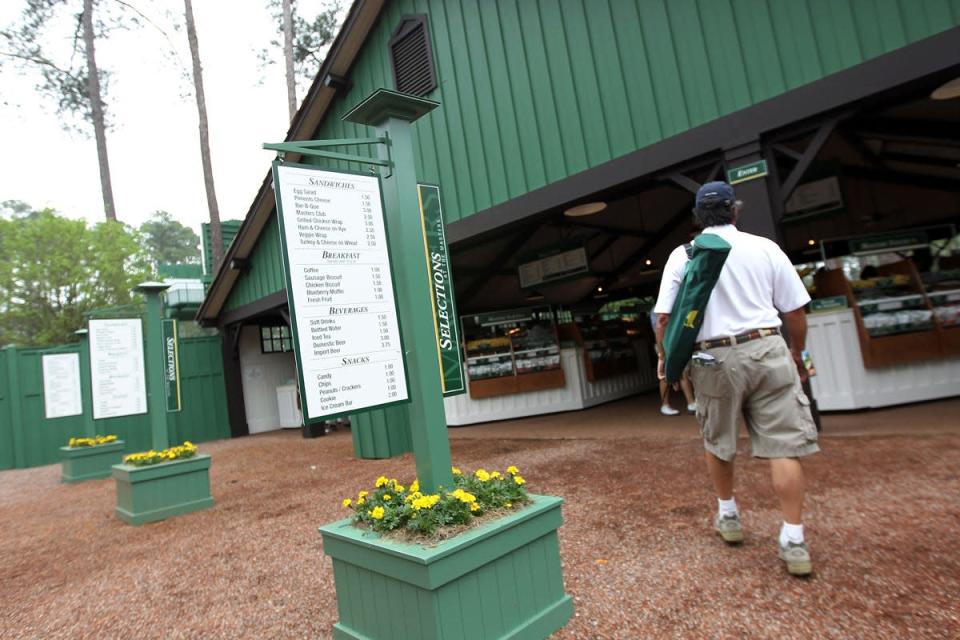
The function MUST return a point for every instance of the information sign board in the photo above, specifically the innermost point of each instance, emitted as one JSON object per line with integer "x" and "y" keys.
{"x": 117, "y": 378}
{"x": 61, "y": 385}
{"x": 558, "y": 266}
{"x": 171, "y": 365}
{"x": 750, "y": 171}
{"x": 340, "y": 290}
{"x": 441, "y": 291}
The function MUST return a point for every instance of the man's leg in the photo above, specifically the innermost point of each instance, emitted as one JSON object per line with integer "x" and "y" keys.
{"x": 788, "y": 482}
{"x": 688, "y": 391}
{"x": 665, "y": 407}
{"x": 721, "y": 472}
{"x": 727, "y": 523}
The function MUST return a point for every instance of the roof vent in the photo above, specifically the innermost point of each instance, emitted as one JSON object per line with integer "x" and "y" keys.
{"x": 412, "y": 57}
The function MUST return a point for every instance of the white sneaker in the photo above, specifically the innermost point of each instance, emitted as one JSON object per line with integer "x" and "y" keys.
{"x": 692, "y": 407}
{"x": 667, "y": 410}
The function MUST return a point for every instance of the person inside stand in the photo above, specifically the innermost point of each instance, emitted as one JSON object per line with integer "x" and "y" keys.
{"x": 742, "y": 366}
{"x": 665, "y": 407}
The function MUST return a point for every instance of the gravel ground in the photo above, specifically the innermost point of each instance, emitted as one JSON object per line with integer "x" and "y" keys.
{"x": 639, "y": 558}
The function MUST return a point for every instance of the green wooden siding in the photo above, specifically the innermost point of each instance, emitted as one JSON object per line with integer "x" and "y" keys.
{"x": 265, "y": 275}
{"x": 535, "y": 91}
{"x": 33, "y": 440}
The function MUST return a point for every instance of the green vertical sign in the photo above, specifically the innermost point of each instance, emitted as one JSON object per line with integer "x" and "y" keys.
{"x": 441, "y": 290}
{"x": 171, "y": 365}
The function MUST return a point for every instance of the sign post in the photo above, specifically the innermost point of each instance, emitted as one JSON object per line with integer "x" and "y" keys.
{"x": 391, "y": 114}
{"x": 83, "y": 335}
{"x": 159, "y": 436}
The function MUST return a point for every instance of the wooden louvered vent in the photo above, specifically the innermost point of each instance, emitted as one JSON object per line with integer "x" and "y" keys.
{"x": 412, "y": 57}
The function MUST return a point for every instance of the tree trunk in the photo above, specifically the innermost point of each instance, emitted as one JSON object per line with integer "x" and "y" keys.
{"x": 96, "y": 111}
{"x": 216, "y": 237}
{"x": 288, "y": 57}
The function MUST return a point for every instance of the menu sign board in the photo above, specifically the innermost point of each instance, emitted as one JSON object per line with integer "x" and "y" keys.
{"x": 117, "y": 379}
{"x": 340, "y": 290}
{"x": 61, "y": 385}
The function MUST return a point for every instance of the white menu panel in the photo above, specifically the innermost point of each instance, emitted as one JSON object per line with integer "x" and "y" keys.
{"x": 345, "y": 315}
{"x": 116, "y": 368}
{"x": 61, "y": 385}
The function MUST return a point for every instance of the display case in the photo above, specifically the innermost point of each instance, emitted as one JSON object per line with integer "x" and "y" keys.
{"x": 898, "y": 318}
{"x": 943, "y": 291}
{"x": 511, "y": 352}
{"x": 607, "y": 344}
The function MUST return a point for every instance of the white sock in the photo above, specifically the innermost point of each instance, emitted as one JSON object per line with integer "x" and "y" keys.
{"x": 728, "y": 507}
{"x": 791, "y": 533}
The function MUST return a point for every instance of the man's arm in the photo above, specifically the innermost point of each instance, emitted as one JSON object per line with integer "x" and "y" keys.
{"x": 795, "y": 324}
{"x": 662, "y": 320}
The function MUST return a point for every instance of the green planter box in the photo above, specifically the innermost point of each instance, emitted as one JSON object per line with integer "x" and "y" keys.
{"x": 156, "y": 492}
{"x": 502, "y": 580}
{"x": 89, "y": 463}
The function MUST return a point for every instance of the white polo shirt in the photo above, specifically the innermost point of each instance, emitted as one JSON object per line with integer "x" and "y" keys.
{"x": 756, "y": 282}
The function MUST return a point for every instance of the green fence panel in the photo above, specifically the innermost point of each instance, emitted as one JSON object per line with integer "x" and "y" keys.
{"x": 203, "y": 395}
{"x": 6, "y": 428}
{"x": 41, "y": 438}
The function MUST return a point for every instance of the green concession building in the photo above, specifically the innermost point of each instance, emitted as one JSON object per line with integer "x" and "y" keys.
{"x": 835, "y": 119}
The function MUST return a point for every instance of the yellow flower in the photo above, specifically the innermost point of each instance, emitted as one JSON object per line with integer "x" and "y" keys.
{"x": 482, "y": 475}
{"x": 347, "y": 502}
{"x": 381, "y": 481}
{"x": 376, "y": 513}
{"x": 386, "y": 497}
{"x": 518, "y": 480}
{"x": 474, "y": 506}
{"x": 425, "y": 502}
{"x": 398, "y": 487}
{"x": 464, "y": 497}
{"x": 512, "y": 470}
{"x": 509, "y": 505}
{"x": 362, "y": 494}
{"x": 495, "y": 474}
{"x": 415, "y": 486}
{"x": 361, "y": 501}
{"x": 456, "y": 471}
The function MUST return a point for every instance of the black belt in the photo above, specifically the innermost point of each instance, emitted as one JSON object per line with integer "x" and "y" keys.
{"x": 756, "y": 334}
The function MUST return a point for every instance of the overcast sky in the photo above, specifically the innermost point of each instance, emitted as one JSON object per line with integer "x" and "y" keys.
{"x": 154, "y": 144}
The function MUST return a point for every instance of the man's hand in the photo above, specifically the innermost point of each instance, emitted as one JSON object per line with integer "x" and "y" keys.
{"x": 801, "y": 367}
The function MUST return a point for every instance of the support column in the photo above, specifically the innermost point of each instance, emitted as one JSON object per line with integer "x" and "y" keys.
{"x": 16, "y": 407}
{"x": 153, "y": 361}
{"x": 758, "y": 196}
{"x": 392, "y": 113}
{"x": 86, "y": 395}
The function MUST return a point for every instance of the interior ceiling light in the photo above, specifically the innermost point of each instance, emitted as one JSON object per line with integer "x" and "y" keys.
{"x": 811, "y": 242}
{"x": 648, "y": 262}
{"x": 947, "y": 90}
{"x": 585, "y": 209}
{"x": 599, "y": 289}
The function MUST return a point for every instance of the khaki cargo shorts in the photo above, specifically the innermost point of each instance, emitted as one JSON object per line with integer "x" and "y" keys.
{"x": 758, "y": 380}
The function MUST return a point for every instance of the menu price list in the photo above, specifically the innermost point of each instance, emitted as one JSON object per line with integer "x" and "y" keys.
{"x": 116, "y": 368}
{"x": 346, "y": 318}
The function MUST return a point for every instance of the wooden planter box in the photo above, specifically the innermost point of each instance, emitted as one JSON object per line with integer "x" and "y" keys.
{"x": 501, "y": 580}
{"x": 88, "y": 463}
{"x": 156, "y": 492}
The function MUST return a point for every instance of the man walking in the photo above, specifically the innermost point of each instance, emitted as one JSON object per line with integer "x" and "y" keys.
{"x": 742, "y": 366}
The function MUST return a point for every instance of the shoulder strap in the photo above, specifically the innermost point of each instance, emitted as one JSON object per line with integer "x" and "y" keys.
{"x": 689, "y": 249}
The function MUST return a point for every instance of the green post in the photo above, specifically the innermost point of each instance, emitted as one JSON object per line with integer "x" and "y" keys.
{"x": 391, "y": 114}
{"x": 86, "y": 395}
{"x": 153, "y": 361}
{"x": 16, "y": 407}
